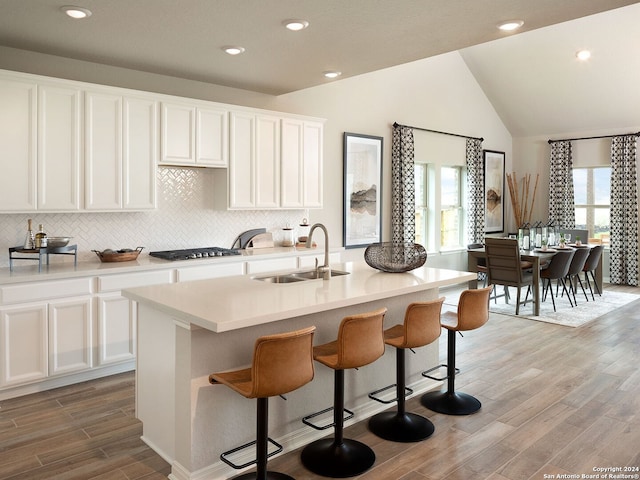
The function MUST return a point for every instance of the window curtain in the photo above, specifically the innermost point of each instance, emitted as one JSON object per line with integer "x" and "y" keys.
{"x": 475, "y": 187}
{"x": 561, "y": 199}
{"x": 403, "y": 203}
{"x": 624, "y": 211}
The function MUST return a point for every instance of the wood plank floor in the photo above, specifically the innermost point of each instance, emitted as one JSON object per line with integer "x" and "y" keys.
{"x": 556, "y": 400}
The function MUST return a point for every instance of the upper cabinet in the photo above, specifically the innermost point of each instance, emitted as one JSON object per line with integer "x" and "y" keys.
{"x": 120, "y": 152}
{"x": 274, "y": 162}
{"x": 194, "y": 134}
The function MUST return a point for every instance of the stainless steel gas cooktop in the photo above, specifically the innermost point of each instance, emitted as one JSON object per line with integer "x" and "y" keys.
{"x": 194, "y": 253}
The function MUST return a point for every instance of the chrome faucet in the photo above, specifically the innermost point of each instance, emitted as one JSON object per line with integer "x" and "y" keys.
{"x": 324, "y": 270}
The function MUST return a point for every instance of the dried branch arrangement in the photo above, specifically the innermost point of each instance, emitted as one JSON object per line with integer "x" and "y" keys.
{"x": 522, "y": 210}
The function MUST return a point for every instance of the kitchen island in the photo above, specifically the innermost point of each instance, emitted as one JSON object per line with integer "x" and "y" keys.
{"x": 188, "y": 330}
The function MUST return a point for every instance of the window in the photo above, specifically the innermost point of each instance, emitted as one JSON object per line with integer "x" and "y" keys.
{"x": 420, "y": 171}
{"x": 592, "y": 200}
{"x": 451, "y": 214}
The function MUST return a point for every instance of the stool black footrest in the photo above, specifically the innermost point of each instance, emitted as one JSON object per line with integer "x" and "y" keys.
{"x": 440, "y": 379}
{"x": 407, "y": 391}
{"x": 305, "y": 420}
{"x": 224, "y": 455}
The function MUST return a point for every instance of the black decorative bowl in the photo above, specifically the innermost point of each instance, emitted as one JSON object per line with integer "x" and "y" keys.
{"x": 395, "y": 257}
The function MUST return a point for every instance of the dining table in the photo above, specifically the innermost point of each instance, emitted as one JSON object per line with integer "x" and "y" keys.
{"x": 537, "y": 257}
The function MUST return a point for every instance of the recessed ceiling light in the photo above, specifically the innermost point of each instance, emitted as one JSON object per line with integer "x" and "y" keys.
{"x": 332, "y": 74}
{"x": 583, "y": 55}
{"x": 510, "y": 25}
{"x": 76, "y": 12}
{"x": 296, "y": 25}
{"x": 232, "y": 50}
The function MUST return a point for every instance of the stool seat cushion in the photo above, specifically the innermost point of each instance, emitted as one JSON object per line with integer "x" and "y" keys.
{"x": 281, "y": 363}
{"x": 473, "y": 311}
{"x": 360, "y": 342}
{"x": 421, "y": 326}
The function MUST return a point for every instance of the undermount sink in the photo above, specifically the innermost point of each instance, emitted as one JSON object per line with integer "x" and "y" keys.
{"x": 297, "y": 276}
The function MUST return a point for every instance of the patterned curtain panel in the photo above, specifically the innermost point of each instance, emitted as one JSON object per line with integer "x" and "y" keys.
{"x": 475, "y": 186}
{"x": 624, "y": 211}
{"x": 561, "y": 199}
{"x": 403, "y": 203}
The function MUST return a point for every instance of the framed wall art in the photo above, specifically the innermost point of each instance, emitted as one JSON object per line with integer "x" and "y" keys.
{"x": 362, "y": 220}
{"x": 493, "y": 191}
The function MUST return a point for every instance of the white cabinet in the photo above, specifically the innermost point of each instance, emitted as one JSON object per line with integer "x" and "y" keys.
{"x": 18, "y": 120}
{"x": 116, "y": 329}
{"x": 120, "y": 152}
{"x": 70, "y": 335}
{"x": 23, "y": 333}
{"x": 254, "y": 161}
{"x": 301, "y": 168}
{"x": 59, "y": 148}
{"x": 195, "y": 135}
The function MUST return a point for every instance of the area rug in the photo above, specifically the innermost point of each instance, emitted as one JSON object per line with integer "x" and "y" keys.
{"x": 584, "y": 312}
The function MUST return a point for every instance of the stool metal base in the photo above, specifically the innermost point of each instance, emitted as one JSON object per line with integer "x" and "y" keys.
{"x": 398, "y": 427}
{"x": 347, "y": 459}
{"x": 449, "y": 403}
{"x": 270, "y": 476}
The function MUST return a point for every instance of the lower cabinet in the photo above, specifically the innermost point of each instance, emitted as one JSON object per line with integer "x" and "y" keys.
{"x": 70, "y": 335}
{"x": 23, "y": 331}
{"x": 116, "y": 329}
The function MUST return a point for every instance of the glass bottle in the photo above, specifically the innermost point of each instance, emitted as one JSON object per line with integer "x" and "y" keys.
{"x": 41, "y": 238}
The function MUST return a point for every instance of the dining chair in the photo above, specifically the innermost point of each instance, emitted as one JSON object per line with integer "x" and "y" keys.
{"x": 590, "y": 267}
{"x": 504, "y": 266}
{"x": 575, "y": 269}
{"x": 557, "y": 270}
{"x": 481, "y": 267}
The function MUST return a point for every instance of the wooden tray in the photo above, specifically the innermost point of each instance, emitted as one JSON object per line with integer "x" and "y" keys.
{"x": 118, "y": 257}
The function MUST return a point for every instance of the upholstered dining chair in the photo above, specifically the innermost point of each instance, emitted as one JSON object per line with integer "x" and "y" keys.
{"x": 590, "y": 267}
{"x": 575, "y": 269}
{"x": 557, "y": 270}
{"x": 504, "y": 266}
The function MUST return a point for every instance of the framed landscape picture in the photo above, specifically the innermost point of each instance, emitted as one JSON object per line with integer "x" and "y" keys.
{"x": 362, "y": 220}
{"x": 493, "y": 191}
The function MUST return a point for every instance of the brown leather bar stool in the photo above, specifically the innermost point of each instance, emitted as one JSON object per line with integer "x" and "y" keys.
{"x": 281, "y": 363}
{"x": 360, "y": 342}
{"x": 473, "y": 312}
{"x": 421, "y": 327}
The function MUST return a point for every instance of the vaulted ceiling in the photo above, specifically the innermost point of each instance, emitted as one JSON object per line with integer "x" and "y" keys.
{"x": 531, "y": 77}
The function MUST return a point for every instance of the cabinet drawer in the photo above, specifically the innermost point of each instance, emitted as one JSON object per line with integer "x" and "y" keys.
{"x": 112, "y": 283}
{"x": 31, "y": 292}
{"x": 209, "y": 271}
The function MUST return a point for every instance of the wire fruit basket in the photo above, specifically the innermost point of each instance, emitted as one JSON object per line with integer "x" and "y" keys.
{"x": 395, "y": 257}
{"x": 118, "y": 256}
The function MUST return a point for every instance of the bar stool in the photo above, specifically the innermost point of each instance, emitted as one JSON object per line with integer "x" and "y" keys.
{"x": 421, "y": 327}
{"x": 360, "y": 342}
{"x": 281, "y": 363}
{"x": 473, "y": 312}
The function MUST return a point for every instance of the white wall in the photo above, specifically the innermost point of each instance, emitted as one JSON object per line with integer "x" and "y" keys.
{"x": 437, "y": 93}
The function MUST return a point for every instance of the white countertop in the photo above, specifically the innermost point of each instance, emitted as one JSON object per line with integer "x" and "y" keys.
{"x": 236, "y": 302}
{"x": 27, "y": 271}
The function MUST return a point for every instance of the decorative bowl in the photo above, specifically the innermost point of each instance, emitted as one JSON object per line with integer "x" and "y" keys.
{"x": 118, "y": 256}
{"x": 395, "y": 257}
{"x": 54, "y": 242}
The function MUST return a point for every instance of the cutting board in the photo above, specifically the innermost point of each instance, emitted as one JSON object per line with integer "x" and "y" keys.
{"x": 262, "y": 240}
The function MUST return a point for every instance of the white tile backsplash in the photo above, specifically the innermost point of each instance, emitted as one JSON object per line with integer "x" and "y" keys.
{"x": 185, "y": 218}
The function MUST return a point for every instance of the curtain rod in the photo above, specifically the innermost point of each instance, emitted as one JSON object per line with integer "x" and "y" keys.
{"x": 396, "y": 124}
{"x": 592, "y": 138}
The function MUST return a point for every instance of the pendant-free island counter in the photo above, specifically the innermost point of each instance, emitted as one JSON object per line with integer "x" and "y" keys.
{"x": 188, "y": 330}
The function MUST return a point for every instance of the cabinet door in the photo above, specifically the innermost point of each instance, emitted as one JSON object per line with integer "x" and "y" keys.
{"x": 313, "y": 164}
{"x": 116, "y": 329}
{"x": 178, "y": 134}
{"x": 291, "y": 184}
{"x": 23, "y": 333}
{"x": 58, "y": 148}
{"x": 242, "y": 160}
{"x": 267, "y": 164}
{"x": 103, "y": 152}
{"x": 70, "y": 336}
{"x": 140, "y": 153}
{"x": 18, "y": 109}
{"x": 212, "y": 137}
